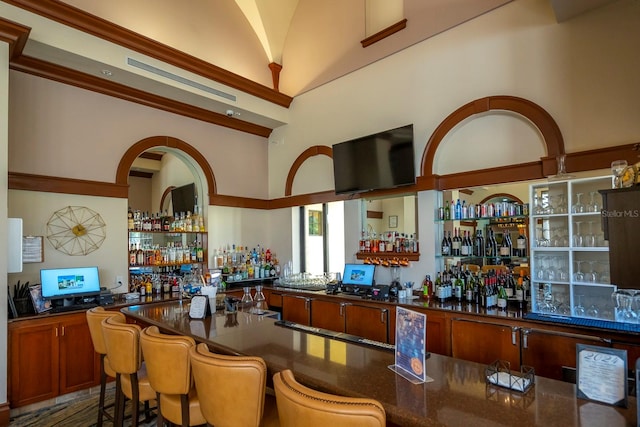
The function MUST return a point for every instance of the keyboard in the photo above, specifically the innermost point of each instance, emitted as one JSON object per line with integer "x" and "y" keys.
{"x": 75, "y": 307}
{"x": 340, "y": 336}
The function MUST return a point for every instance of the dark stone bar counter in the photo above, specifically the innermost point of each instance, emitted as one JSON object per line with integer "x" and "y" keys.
{"x": 458, "y": 394}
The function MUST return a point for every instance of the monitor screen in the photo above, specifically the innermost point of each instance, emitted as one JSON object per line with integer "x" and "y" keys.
{"x": 183, "y": 199}
{"x": 69, "y": 282}
{"x": 358, "y": 275}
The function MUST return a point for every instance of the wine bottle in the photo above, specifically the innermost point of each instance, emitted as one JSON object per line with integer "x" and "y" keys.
{"x": 521, "y": 245}
{"x": 464, "y": 247}
{"x": 445, "y": 249}
{"x": 447, "y": 212}
{"x": 502, "y": 298}
{"x": 505, "y": 249}
{"x": 478, "y": 244}
{"x": 455, "y": 250}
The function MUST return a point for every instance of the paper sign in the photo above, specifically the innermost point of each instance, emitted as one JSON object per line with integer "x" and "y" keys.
{"x": 198, "y": 308}
{"x": 601, "y": 374}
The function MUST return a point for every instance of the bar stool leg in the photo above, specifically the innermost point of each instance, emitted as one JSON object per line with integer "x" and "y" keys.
{"x": 103, "y": 386}
{"x": 119, "y": 408}
{"x": 184, "y": 400}
{"x": 135, "y": 402}
{"x": 160, "y": 421}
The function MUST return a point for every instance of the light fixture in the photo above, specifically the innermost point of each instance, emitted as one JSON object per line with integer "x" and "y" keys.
{"x": 107, "y": 73}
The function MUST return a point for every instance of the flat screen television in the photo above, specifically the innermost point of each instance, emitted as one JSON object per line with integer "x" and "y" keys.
{"x": 379, "y": 161}
{"x": 358, "y": 277}
{"x": 58, "y": 283}
{"x": 183, "y": 199}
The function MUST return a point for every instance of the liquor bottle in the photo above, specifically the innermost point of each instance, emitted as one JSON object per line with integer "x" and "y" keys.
{"x": 465, "y": 210}
{"x": 130, "y": 223}
{"x": 521, "y": 245}
{"x": 426, "y": 287}
{"x": 520, "y": 287}
{"x": 447, "y": 212}
{"x": 139, "y": 256}
{"x": 478, "y": 244}
{"x": 445, "y": 248}
{"x": 132, "y": 255}
{"x": 458, "y": 210}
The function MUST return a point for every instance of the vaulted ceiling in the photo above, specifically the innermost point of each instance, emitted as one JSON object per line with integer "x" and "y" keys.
{"x": 215, "y": 58}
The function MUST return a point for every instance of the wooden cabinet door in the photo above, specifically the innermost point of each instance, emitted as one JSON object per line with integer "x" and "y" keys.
{"x": 621, "y": 230}
{"x": 296, "y": 309}
{"x": 79, "y": 363}
{"x": 327, "y": 315}
{"x": 367, "y": 322}
{"x": 33, "y": 362}
{"x": 485, "y": 342}
{"x": 437, "y": 333}
{"x": 549, "y": 351}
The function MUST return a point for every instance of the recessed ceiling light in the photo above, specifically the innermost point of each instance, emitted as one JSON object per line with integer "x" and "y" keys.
{"x": 107, "y": 73}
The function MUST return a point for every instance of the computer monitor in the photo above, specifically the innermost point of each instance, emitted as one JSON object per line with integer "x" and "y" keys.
{"x": 358, "y": 277}
{"x": 58, "y": 283}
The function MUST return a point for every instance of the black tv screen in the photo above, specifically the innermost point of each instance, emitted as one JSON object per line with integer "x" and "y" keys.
{"x": 183, "y": 199}
{"x": 379, "y": 161}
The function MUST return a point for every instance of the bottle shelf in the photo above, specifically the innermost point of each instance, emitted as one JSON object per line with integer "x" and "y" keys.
{"x": 173, "y": 264}
{"x": 410, "y": 256}
{"x": 506, "y": 219}
{"x": 166, "y": 233}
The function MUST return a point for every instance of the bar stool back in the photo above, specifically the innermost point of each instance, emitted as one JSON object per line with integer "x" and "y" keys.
{"x": 122, "y": 341}
{"x": 300, "y": 406}
{"x": 169, "y": 370}
{"x": 95, "y": 316}
{"x": 232, "y": 389}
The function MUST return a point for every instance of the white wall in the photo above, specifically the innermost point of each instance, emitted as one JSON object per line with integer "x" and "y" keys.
{"x": 583, "y": 72}
{"x": 36, "y": 209}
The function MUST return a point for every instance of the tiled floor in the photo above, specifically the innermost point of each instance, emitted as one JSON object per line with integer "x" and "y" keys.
{"x": 79, "y": 412}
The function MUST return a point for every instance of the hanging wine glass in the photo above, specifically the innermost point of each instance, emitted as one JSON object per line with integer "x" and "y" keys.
{"x": 578, "y": 206}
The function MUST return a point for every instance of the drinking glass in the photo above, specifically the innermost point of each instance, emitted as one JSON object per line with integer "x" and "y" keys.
{"x": 592, "y": 275}
{"x": 617, "y": 166}
{"x": 593, "y": 311}
{"x": 578, "y": 309}
{"x": 594, "y": 205}
{"x": 577, "y": 239}
{"x": 578, "y": 275}
{"x": 604, "y": 275}
{"x": 590, "y": 238}
{"x": 259, "y": 301}
{"x": 247, "y": 300}
{"x": 578, "y": 206}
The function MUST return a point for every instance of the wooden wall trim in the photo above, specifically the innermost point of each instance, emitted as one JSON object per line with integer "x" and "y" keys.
{"x": 165, "y": 194}
{"x": 537, "y": 115}
{"x": 122, "y": 173}
{"x": 601, "y": 158}
{"x": 91, "y": 24}
{"x": 15, "y": 35}
{"x": 54, "y": 184}
{"x": 383, "y": 34}
{"x": 105, "y": 86}
{"x": 316, "y": 150}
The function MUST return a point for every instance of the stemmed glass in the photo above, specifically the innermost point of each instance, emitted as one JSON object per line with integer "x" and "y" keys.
{"x": 604, "y": 275}
{"x": 593, "y": 311}
{"x": 577, "y": 239}
{"x": 590, "y": 238}
{"x": 578, "y": 275}
{"x": 617, "y": 166}
{"x": 578, "y": 206}
{"x": 593, "y": 206}
{"x": 579, "y": 308}
{"x": 592, "y": 275}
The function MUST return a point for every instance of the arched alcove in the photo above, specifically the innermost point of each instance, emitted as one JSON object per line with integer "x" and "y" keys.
{"x": 316, "y": 150}
{"x": 177, "y": 147}
{"x": 540, "y": 118}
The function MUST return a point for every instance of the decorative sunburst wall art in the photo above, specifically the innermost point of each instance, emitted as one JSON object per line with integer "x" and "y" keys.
{"x": 76, "y": 230}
